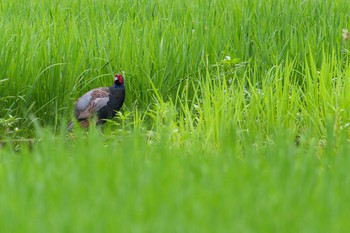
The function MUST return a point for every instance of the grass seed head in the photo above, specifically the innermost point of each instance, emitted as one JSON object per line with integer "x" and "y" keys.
{"x": 345, "y": 34}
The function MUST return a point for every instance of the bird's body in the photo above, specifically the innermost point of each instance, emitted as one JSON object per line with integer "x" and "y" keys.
{"x": 101, "y": 103}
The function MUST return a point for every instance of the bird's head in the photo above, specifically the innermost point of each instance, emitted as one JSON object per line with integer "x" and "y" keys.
{"x": 118, "y": 80}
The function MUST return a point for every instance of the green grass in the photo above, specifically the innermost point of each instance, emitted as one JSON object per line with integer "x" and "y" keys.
{"x": 236, "y": 116}
{"x": 101, "y": 184}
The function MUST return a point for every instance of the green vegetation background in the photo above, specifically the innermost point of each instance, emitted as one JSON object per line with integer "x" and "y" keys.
{"x": 236, "y": 116}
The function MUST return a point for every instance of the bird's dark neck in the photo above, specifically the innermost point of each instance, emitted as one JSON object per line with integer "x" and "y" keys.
{"x": 119, "y": 86}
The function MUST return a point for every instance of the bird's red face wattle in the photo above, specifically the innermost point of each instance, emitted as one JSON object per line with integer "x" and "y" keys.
{"x": 118, "y": 79}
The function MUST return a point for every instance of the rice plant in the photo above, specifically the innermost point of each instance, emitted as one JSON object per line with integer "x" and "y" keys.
{"x": 236, "y": 116}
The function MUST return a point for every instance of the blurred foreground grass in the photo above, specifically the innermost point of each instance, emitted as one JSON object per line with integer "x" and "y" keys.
{"x": 93, "y": 183}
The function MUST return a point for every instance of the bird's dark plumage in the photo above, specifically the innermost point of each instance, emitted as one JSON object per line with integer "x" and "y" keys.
{"x": 101, "y": 103}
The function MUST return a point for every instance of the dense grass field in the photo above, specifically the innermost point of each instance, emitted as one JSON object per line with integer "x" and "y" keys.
{"x": 236, "y": 116}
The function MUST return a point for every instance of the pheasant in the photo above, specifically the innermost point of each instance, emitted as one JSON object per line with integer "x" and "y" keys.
{"x": 101, "y": 103}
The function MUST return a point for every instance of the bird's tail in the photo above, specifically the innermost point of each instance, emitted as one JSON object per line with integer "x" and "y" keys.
{"x": 84, "y": 123}
{"x": 70, "y": 126}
